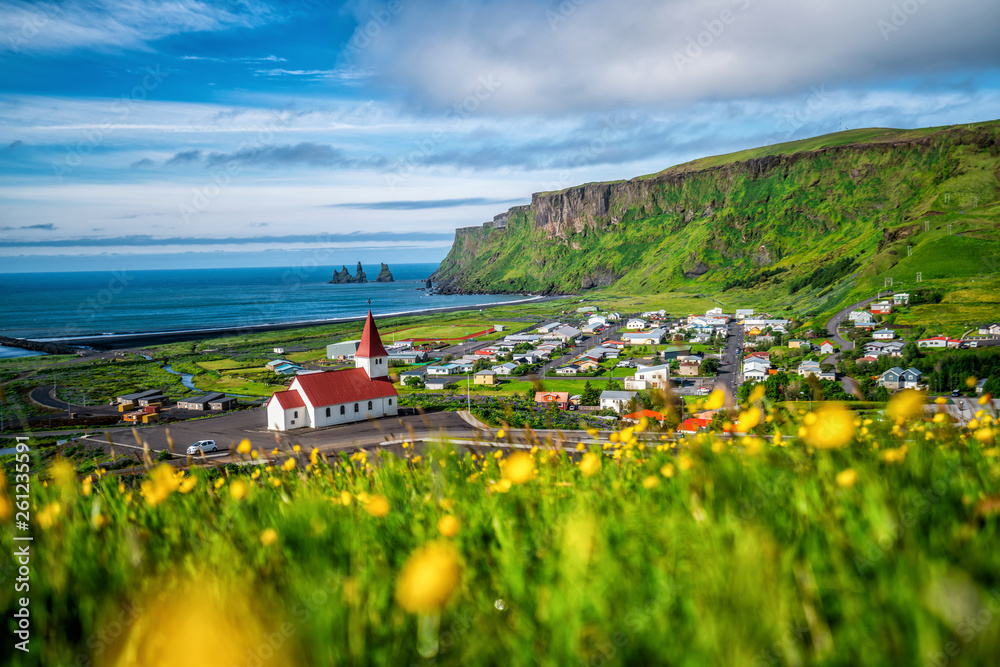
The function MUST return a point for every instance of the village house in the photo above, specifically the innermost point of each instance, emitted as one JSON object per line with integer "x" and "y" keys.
{"x": 655, "y": 377}
{"x": 439, "y": 383}
{"x": 443, "y": 369}
{"x": 939, "y": 341}
{"x": 565, "y": 334}
{"x": 896, "y": 378}
{"x": 338, "y": 397}
{"x": 419, "y": 373}
{"x": 616, "y": 400}
{"x": 654, "y": 337}
{"x": 342, "y": 351}
{"x": 689, "y": 368}
{"x": 210, "y": 401}
{"x": 901, "y": 299}
{"x": 989, "y": 329}
{"x": 743, "y": 313}
{"x": 504, "y": 369}
{"x": 568, "y": 369}
{"x": 892, "y": 348}
{"x": 884, "y": 334}
{"x": 807, "y": 368}
{"x": 881, "y": 308}
{"x": 826, "y": 347}
{"x": 486, "y": 377}
{"x": 558, "y": 398}
{"x": 636, "y": 323}
{"x": 795, "y": 344}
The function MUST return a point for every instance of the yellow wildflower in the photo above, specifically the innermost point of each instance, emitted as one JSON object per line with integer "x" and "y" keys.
{"x": 831, "y": 426}
{"x": 187, "y": 484}
{"x": 715, "y": 400}
{"x": 161, "y": 482}
{"x": 748, "y": 420}
{"x": 500, "y": 434}
{"x": 244, "y": 447}
{"x": 345, "y": 498}
{"x": 219, "y": 482}
{"x": 580, "y": 447}
{"x": 906, "y": 404}
{"x": 651, "y": 482}
{"x": 971, "y": 381}
{"x": 377, "y": 506}
{"x": 984, "y": 399}
{"x": 685, "y": 462}
{"x": 590, "y": 464}
{"x": 448, "y": 525}
{"x": 896, "y": 455}
{"x": 238, "y": 489}
{"x": 429, "y": 578}
{"x": 519, "y": 468}
{"x": 289, "y": 464}
{"x": 268, "y": 537}
{"x": 756, "y": 394}
{"x": 847, "y": 478}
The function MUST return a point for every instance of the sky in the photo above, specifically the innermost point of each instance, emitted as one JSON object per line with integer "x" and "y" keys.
{"x": 203, "y": 133}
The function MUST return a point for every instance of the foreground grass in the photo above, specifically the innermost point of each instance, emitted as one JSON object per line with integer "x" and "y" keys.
{"x": 877, "y": 548}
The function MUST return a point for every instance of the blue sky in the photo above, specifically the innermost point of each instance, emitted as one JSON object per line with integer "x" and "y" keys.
{"x": 205, "y": 133}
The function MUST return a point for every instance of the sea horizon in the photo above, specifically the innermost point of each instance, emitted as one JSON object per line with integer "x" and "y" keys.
{"x": 63, "y": 306}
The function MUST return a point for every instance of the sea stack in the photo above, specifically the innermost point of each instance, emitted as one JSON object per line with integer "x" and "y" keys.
{"x": 344, "y": 276}
{"x": 385, "y": 276}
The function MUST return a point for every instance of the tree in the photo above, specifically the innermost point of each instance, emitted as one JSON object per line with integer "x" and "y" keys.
{"x": 590, "y": 395}
{"x": 614, "y": 385}
{"x": 710, "y": 367}
{"x": 414, "y": 381}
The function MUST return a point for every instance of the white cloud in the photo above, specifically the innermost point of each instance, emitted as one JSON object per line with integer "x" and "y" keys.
{"x": 586, "y": 55}
{"x": 104, "y": 24}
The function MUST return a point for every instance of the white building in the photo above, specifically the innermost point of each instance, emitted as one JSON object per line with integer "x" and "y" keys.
{"x": 636, "y": 323}
{"x": 616, "y": 400}
{"x": 884, "y": 334}
{"x": 338, "y": 397}
{"x": 657, "y": 377}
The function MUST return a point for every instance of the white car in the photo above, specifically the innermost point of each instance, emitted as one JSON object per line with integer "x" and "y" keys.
{"x": 203, "y": 446}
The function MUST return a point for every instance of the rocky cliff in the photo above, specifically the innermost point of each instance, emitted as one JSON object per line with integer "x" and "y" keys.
{"x": 726, "y": 220}
{"x": 344, "y": 276}
{"x": 384, "y": 275}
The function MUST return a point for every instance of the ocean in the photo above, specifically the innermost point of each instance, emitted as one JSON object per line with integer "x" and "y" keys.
{"x": 63, "y": 306}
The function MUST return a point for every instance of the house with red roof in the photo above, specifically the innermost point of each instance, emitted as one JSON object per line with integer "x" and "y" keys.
{"x": 329, "y": 398}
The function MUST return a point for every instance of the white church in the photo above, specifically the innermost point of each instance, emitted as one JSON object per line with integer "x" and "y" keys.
{"x": 314, "y": 400}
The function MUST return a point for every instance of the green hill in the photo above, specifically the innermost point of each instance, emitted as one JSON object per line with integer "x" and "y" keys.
{"x": 806, "y": 224}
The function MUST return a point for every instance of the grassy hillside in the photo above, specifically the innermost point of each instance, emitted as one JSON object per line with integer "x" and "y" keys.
{"x": 750, "y": 226}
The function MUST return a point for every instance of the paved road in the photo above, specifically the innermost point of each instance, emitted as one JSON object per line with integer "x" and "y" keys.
{"x": 833, "y": 324}
{"x": 730, "y": 373}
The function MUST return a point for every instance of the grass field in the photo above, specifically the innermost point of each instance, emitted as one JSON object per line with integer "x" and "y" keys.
{"x": 853, "y": 543}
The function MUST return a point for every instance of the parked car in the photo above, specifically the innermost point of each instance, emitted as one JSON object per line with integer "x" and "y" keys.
{"x": 203, "y": 446}
{"x": 956, "y": 392}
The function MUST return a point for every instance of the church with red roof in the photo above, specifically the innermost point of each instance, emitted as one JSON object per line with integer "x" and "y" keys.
{"x": 315, "y": 400}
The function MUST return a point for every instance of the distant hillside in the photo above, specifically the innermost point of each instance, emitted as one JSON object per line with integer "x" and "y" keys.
{"x": 792, "y": 221}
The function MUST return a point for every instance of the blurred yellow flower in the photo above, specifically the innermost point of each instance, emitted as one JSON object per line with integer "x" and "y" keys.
{"x": 314, "y": 457}
{"x": 500, "y": 434}
{"x": 88, "y": 484}
{"x": 268, "y": 537}
{"x": 590, "y": 464}
{"x": 685, "y": 462}
{"x": 748, "y": 420}
{"x": 297, "y": 449}
{"x": 896, "y": 455}
{"x": 244, "y": 447}
{"x": 984, "y": 399}
{"x": 906, "y": 404}
{"x": 756, "y": 394}
{"x": 219, "y": 482}
{"x": 345, "y": 498}
{"x": 448, "y": 525}
{"x": 642, "y": 425}
{"x": 580, "y": 447}
{"x": 971, "y": 381}
{"x": 289, "y": 464}
{"x": 377, "y": 506}
{"x": 187, "y": 484}
{"x": 62, "y": 473}
{"x": 160, "y": 483}
{"x": 48, "y": 515}
{"x": 429, "y": 578}
{"x": 592, "y": 432}
{"x": 519, "y": 468}
{"x": 832, "y": 426}
{"x": 626, "y": 434}
{"x": 715, "y": 400}
{"x": 651, "y": 482}
{"x": 667, "y": 470}
{"x": 847, "y": 478}
{"x": 984, "y": 435}
{"x": 238, "y": 489}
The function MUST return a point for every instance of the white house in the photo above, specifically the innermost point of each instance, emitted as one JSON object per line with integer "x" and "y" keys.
{"x": 616, "y": 400}
{"x": 743, "y": 313}
{"x": 989, "y": 329}
{"x": 565, "y": 333}
{"x": 646, "y": 338}
{"x": 896, "y": 378}
{"x": 901, "y": 299}
{"x": 443, "y": 369}
{"x": 714, "y": 311}
{"x": 657, "y": 377}
{"x": 597, "y": 321}
{"x": 884, "y": 334}
{"x": 807, "y": 368}
{"x": 505, "y": 369}
{"x": 754, "y": 374}
{"x": 636, "y": 323}
{"x": 338, "y": 397}
{"x": 939, "y": 341}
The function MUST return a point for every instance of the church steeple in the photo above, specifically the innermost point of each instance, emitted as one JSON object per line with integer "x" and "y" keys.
{"x": 371, "y": 354}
